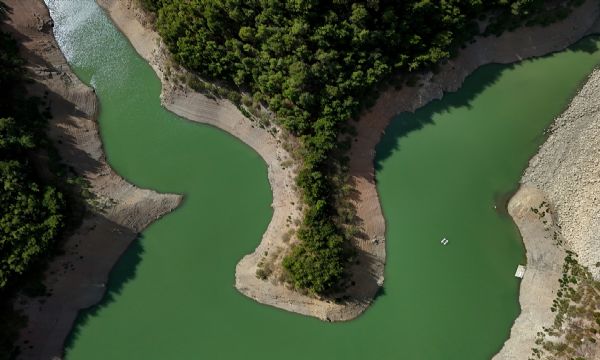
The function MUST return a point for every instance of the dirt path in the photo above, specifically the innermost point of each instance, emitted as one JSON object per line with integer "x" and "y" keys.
{"x": 76, "y": 279}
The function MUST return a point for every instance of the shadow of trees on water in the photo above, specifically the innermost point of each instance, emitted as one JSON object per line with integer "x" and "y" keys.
{"x": 475, "y": 84}
{"x": 406, "y": 123}
{"x": 124, "y": 271}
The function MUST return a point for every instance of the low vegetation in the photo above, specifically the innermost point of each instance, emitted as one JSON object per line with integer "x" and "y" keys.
{"x": 316, "y": 64}
{"x": 576, "y": 330}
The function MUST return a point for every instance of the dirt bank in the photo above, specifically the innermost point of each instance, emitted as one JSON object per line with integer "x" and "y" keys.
{"x": 77, "y": 278}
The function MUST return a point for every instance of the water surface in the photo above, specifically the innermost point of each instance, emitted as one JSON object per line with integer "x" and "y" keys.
{"x": 440, "y": 173}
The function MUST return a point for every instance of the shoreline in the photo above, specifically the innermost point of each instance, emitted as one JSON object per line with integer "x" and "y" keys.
{"x": 221, "y": 113}
{"x": 567, "y": 169}
{"x": 509, "y": 48}
{"x": 543, "y": 269}
{"x": 538, "y": 288}
{"x": 77, "y": 278}
{"x": 571, "y": 221}
{"x": 121, "y": 223}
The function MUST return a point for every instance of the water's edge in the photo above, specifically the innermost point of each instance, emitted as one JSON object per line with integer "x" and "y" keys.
{"x": 106, "y": 232}
{"x": 130, "y": 20}
{"x": 375, "y": 224}
{"x": 509, "y": 48}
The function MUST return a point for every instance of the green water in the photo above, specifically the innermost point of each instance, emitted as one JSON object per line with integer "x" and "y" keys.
{"x": 440, "y": 173}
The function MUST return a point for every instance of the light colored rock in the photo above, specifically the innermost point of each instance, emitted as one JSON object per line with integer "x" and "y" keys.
{"x": 567, "y": 169}
{"x": 544, "y": 268}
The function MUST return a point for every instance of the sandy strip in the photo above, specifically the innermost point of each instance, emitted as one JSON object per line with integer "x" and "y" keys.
{"x": 76, "y": 279}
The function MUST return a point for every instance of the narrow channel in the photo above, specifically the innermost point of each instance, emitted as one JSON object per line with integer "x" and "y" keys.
{"x": 440, "y": 172}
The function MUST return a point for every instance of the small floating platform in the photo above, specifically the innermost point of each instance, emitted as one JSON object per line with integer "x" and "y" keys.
{"x": 520, "y": 271}
{"x": 444, "y": 241}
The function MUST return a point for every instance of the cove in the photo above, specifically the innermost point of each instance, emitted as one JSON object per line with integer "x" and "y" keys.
{"x": 440, "y": 172}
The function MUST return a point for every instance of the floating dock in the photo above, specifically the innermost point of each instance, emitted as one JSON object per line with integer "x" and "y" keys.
{"x": 520, "y": 271}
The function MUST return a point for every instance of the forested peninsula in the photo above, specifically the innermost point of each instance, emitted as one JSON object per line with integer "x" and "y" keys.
{"x": 311, "y": 67}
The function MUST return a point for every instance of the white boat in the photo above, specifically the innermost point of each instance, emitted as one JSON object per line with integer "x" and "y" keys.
{"x": 444, "y": 241}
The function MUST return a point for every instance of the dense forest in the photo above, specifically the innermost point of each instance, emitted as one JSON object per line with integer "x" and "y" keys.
{"x": 317, "y": 64}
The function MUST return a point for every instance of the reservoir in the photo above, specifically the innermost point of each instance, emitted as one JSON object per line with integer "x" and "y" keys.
{"x": 445, "y": 171}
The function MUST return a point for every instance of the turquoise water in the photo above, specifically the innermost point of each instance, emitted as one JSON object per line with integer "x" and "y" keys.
{"x": 440, "y": 173}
